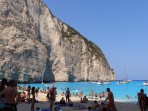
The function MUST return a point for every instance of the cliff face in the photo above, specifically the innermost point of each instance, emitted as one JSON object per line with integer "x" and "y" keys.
{"x": 36, "y": 46}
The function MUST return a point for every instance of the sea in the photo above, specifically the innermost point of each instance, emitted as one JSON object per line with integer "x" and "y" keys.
{"x": 120, "y": 91}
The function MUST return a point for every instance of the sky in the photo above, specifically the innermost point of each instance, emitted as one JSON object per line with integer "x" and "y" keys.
{"x": 118, "y": 27}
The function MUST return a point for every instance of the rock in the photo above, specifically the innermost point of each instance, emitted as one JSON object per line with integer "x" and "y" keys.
{"x": 35, "y": 46}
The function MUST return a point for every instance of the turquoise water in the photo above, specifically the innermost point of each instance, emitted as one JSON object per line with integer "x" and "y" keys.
{"x": 119, "y": 90}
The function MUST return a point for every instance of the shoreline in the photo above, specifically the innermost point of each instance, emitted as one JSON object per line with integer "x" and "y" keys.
{"x": 126, "y": 101}
{"x": 39, "y": 82}
{"x": 60, "y": 88}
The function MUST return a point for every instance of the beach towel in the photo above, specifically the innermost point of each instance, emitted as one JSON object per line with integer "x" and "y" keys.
{"x": 79, "y": 107}
{"x": 38, "y": 109}
{"x": 46, "y": 109}
{"x": 57, "y": 107}
{"x": 70, "y": 104}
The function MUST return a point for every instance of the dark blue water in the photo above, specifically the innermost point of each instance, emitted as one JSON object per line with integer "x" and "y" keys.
{"x": 120, "y": 91}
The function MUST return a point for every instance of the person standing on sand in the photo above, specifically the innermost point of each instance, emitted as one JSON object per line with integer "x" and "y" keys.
{"x": 28, "y": 93}
{"x": 142, "y": 100}
{"x": 111, "y": 104}
{"x": 67, "y": 94}
{"x": 52, "y": 97}
{"x": 10, "y": 93}
{"x": 33, "y": 98}
{"x": 91, "y": 94}
{"x": 2, "y": 87}
{"x": 24, "y": 87}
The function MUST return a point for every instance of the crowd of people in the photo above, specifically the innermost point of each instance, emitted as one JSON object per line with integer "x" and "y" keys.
{"x": 11, "y": 95}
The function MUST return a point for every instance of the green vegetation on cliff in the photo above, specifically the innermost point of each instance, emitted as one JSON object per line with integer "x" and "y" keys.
{"x": 95, "y": 50}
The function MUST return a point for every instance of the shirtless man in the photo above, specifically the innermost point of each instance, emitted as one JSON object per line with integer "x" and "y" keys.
{"x": 10, "y": 93}
{"x": 142, "y": 100}
{"x": 111, "y": 104}
{"x": 67, "y": 94}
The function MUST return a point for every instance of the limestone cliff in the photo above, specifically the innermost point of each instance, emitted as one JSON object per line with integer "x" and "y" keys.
{"x": 36, "y": 46}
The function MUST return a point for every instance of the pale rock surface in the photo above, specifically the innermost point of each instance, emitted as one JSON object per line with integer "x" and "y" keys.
{"x": 35, "y": 46}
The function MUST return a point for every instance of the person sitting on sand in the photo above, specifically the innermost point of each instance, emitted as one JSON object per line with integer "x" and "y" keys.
{"x": 81, "y": 95}
{"x": 45, "y": 91}
{"x": 62, "y": 101}
{"x": 76, "y": 95}
{"x": 22, "y": 97}
{"x": 62, "y": 94}
{"x": 84, "y": 100}
{"x": 102, "y": 95}
{"x": 23, "y": 94}
{"x": 89, "y": 109}
{"x": 95, "y": 106}
{"x": 111, "y": 104}
{"x": 73, "y": 94}
{"x": 96, "y": 95}
{"x": 18, "y": 88}
{"x": 103, "y": 107}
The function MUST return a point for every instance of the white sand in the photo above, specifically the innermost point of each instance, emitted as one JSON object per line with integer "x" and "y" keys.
{"x": 44, "y": 104}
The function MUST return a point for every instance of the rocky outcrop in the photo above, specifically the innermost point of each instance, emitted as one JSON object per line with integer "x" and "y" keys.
{"x": 36, "y": 46}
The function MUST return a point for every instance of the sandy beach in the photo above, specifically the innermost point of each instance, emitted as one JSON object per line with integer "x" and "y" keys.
{"x": 43, "y": 103}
